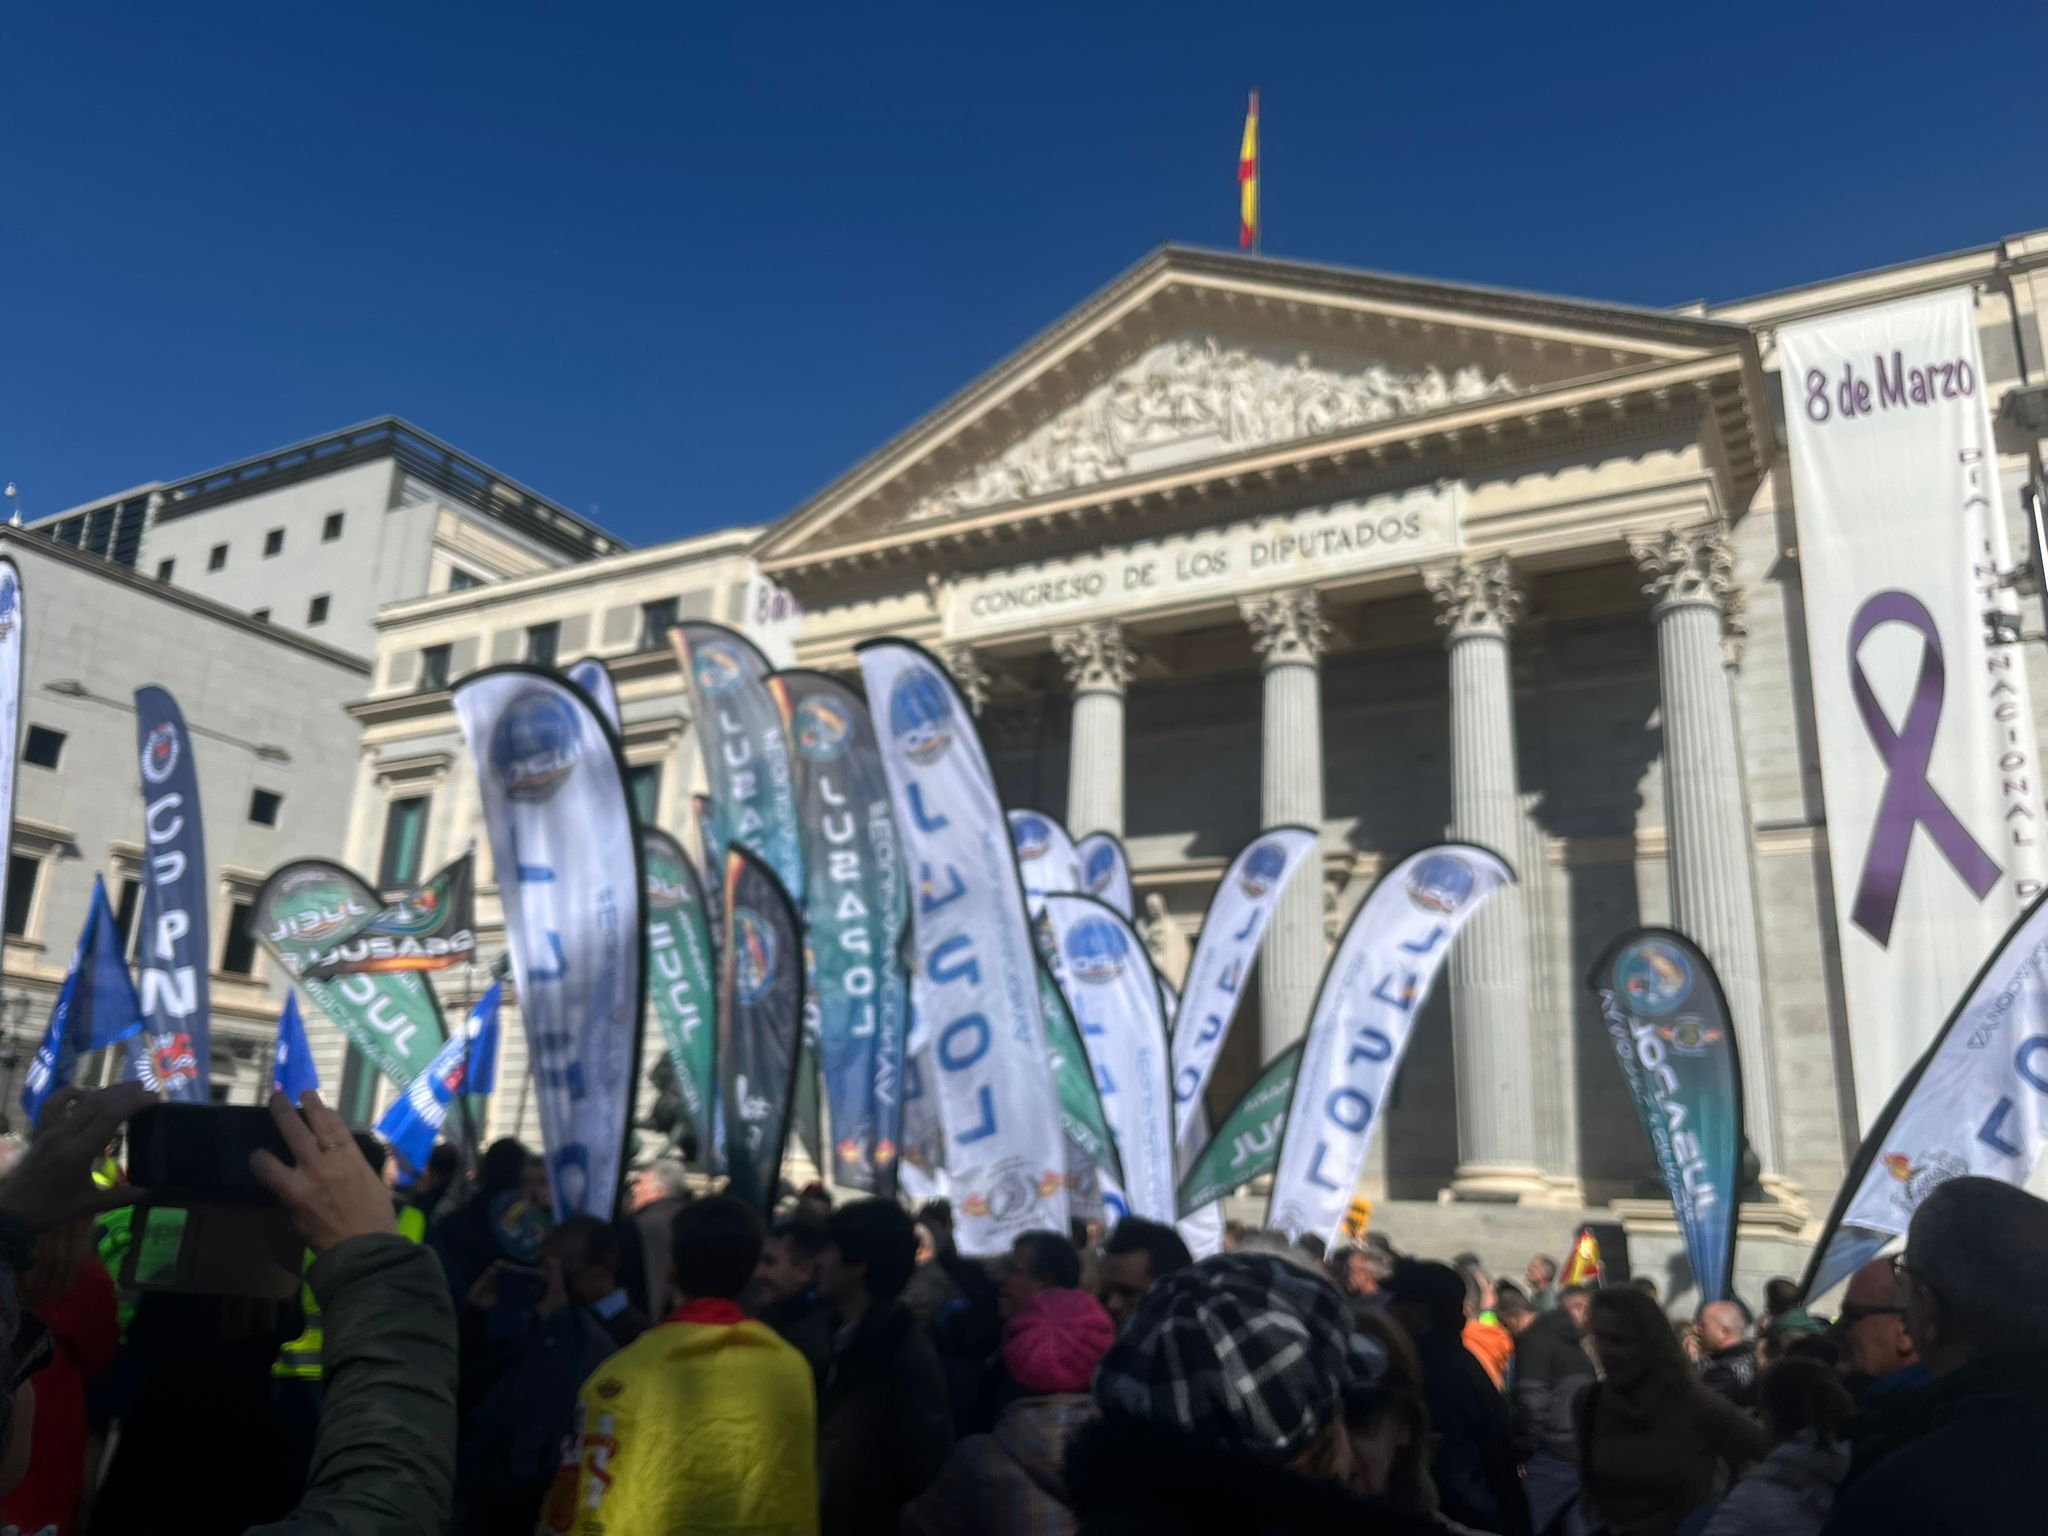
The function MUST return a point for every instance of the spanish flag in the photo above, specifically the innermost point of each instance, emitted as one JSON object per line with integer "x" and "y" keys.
{"x": 1583, "y": 1267}
{"x": 1248, "y": 180}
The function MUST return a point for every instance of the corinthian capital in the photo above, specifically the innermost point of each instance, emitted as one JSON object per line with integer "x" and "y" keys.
{"x": 1687, "y": 565}
{"x": 1095, "y": 658}
{"x": 1287, "y": 626}
{"x": 968, "y": 675}
{"x": 1476, "y": 598}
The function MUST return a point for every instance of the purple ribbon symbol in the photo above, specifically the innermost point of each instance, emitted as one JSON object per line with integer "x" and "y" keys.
{"x": 1908, "y": 798}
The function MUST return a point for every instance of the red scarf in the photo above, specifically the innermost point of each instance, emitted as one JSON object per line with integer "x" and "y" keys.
{"x": 708, "y": 1309}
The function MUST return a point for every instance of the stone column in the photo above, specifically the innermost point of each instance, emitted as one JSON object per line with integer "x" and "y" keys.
{"x": 1492, "y": 1001}
{"x": 1290, "y": 636}
{"x": 1099, "y": 666}
{"x": 1690, "y": 573}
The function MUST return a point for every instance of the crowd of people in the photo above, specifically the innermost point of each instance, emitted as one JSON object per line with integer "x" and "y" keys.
{"x": 460, "y": 1361}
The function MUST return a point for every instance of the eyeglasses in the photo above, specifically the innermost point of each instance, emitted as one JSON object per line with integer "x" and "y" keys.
{"x": 1853, "y": 1313}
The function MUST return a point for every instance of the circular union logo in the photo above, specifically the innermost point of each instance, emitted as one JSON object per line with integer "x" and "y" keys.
{"x": 536, "y": 746}
{"x": 823, "y": 730}
{"x": 753, "y": 956}
{"x": 1918, "y": 1177}
{"x": 1689, "y": 1034}
{"x": 1440, "y": 883}
{"x": 1097, "y": 950}
{"x": 1653, "y": 976}
{"x": 921, "y": 715}
{"x": 1032, "y": 835}
{"x": 718, "y": 669}
{"x": 1262, "y": 867}
{"x": 1101, "y": 867}
{"x": 664, "y": 889}
{"x": 160, "y": 752}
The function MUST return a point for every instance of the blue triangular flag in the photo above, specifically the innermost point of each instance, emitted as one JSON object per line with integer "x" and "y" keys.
{"x": 293, "y": 1074}
{"x": 97, "y": 1007}
{"x": 466, "y": 1063}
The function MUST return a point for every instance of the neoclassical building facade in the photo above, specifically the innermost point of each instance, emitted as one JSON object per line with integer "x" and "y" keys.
{"x": 1244, "y": 541}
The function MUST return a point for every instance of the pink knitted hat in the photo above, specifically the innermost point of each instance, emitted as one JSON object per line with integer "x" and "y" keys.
{"x": 1056, "y": 1340}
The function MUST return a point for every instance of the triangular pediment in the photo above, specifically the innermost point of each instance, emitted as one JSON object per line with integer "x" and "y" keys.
{"x": 1200, "y": 359}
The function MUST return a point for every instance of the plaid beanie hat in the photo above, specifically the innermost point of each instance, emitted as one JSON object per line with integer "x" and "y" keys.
{"x": 1245, "y": 1350}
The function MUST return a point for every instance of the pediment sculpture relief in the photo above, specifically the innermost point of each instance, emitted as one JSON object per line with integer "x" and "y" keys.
{"x": 1189, "y": 399}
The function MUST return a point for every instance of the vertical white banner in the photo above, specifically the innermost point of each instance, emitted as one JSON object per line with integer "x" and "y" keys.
{"x": 1106, "y": 874}
{"x": 13, "y": 623}
{"x": 567, "y": 858}
{"x": 1109, "y": 984}
{"x": 1228, "y": 943}
{"x": 977, "y": 981}
{"x": 1377, "y": 981}
{"x": 1047, "y": 860}
{"x": 1926, "y": 730}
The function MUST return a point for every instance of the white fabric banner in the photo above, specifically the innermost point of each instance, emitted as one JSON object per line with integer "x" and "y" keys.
{"x": 1047, "y": 860}
{"x": 1106, "y": 873}
{"x": 977, "y": 978}
{"x": 567, "y": 858}
{"x": 13, "y": 622}
{"x": 595, "y": 678}
{"x": 1225, "y": 948}
{"x": 1383, "y": 969}
{"x": 1979, "y": 1106}
{"x": 1926, "y": 732}
{"x": 1109, "y": 983}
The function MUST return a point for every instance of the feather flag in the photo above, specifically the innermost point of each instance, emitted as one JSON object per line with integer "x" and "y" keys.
{"x": 292, "y": 1072}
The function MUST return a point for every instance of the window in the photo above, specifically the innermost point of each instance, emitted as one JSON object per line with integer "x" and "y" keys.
{"x": 125, "y": 911}
{"x": 460, "y": 580}
{"x": 45, "y": 746}
{"x": 405, "y": 836}
{"x": 164, "y": 569}
{"x": 261, "y": 615}
{"x": 540, "y": 644}
{"x": 238, "y": 951}
{"x": 656, "y": 620}
{"x": 434, "y": 667}
{"x": 331, "y": 529}
{"x": 22, "y": 872}
{"x": 273, "y": 543}
{"x": 316, "y": 611}
{"x": 218, "y": 559}
{"x": 264, "y": 804}
{"x": 644, "y": 782}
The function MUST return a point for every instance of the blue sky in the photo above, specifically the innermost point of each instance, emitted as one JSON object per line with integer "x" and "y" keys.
{"x": 678, "y": 265}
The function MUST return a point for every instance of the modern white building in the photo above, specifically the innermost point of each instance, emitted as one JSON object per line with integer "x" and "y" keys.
{"x": 318, "y": 536}
{"x": 275, "y": 750}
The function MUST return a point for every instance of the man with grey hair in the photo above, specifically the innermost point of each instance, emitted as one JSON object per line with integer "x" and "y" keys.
{"x": 657, "y": 1192}
{"x": 1729, "y": 1366}
{"x": 1975, "y": 1270}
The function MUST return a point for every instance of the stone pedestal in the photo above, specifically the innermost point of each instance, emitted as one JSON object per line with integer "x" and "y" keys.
{"x": 1290, "y": 635}
{"x": 1690, "y": 573}
{"x": 1491, "y": 1001}
{"x": 1099, "y": 666}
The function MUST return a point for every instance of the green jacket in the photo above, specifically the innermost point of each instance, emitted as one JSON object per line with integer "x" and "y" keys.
{"x": 384, "y": 1462}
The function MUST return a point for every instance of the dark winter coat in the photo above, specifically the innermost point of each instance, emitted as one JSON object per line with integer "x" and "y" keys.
{"x": 1126, "y": 1477}
{"x": 805, "y": 1324}
{"x": 1477, "y": 1474}
{"x": 1010, "y": 1483}
{"x": 1976, "y": 1470}
{"x": 884, "y": 1427}
{"x": 1551, "y": 1370}
{"x": 1731, "y": 1373}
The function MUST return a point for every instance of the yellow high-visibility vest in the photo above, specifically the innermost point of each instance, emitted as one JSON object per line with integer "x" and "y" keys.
{"x": 299, "y": 1360}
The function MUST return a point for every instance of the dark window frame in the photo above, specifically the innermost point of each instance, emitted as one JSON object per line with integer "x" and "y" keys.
{"x": 38, "y": 734}
{"x": 398, "y": 868}
{"x": 435, "y": 662}
{"x": 271, "y": 800}
{"x": 330, "y": 527}
{"x": 217, "y": 558}
{"x": 164, "y": 568}
{"x": 544, "y": 637}
{"x": 657, "y": 619}
{"x": 316, "y": 610}
{"x": 237, "y": 945}
{"x": 21, "y": 889}
{"x": 273, "y": 544}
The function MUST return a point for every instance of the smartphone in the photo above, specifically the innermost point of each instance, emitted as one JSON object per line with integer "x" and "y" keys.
{"x": 520, "y": 1287}
{"x": 204, "y": 1148}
